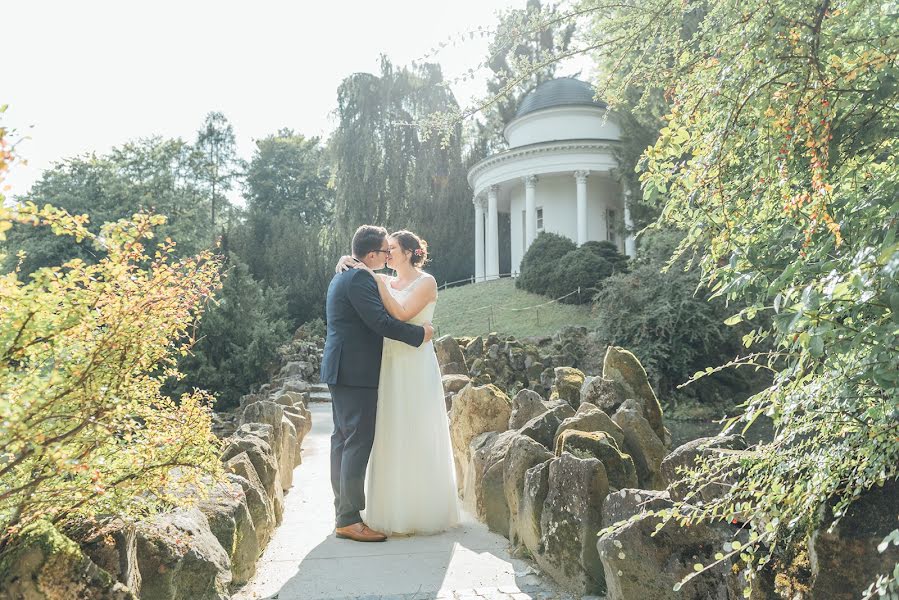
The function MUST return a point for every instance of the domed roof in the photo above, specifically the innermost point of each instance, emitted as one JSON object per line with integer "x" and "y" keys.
{"x": 565, "y": 91}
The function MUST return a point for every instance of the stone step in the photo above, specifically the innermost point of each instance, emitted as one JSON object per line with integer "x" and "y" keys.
{"x": 319, "y": 387}
{"x": 320, "y": 397}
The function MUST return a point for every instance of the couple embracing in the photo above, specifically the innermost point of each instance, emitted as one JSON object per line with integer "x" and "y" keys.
{"x": 387, "y": 395}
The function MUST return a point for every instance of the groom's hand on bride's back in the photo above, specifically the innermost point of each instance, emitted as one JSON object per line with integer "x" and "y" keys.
{"x": 429, "y": 333}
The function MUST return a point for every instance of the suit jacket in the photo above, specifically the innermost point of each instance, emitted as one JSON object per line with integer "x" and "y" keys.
{"x": 357, "y": 326}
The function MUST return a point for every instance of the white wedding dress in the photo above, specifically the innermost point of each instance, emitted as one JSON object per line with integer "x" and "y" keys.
{"x": 411, "y": 483}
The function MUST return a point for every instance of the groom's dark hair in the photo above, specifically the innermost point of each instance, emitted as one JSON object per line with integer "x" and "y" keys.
{"x": 368, "y": 238}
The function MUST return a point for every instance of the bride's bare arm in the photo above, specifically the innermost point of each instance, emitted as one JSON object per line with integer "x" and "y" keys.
{"x": 424, "y": 292}
{"x": 346, "y": 262}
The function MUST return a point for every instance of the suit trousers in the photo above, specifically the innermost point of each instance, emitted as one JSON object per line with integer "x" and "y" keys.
{"x": 354, "y": 409}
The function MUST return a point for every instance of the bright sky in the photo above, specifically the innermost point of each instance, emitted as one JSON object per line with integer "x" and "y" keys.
{"x": 89, "y": 75}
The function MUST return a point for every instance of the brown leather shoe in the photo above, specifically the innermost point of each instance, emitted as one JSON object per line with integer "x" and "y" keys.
{"x": 360, "y": 532}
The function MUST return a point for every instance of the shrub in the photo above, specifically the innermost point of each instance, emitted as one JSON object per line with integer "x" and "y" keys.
{"x": 554, "y": 266}
{"x": 312, "y": 330}
{"x": 580, "y": 269}
{"x": 84, "y": 427}
{"x": 609, "y": 252}
{"x": 667, "y": 320}
{"x": 238, "y": 338}
{"x": 539, "y": 263}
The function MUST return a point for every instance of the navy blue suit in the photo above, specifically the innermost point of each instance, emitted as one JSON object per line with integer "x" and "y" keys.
{"x": 351, "y": 366}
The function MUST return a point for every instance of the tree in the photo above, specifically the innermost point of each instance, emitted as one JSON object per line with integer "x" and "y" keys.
{"x": 151, "y": 174}
{"x": 288, "y": 176}
{"x": 237, "y": 338}
{"x": 217, "y": 162}
{"x": 664, "y": 316}
{"x": 525, "y": 42}
{"x": 386, "y": 173}
{"x": 777, "y": 159}
{"x": 285, "y": 239}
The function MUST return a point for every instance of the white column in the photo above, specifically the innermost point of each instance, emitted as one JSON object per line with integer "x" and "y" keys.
{"x": 630, "y": 243}
{"x": 581, "y": 178}
{"x": 478, "y": 238}
{"x": 492, "y": 233}
{"x": 530, "y": 210}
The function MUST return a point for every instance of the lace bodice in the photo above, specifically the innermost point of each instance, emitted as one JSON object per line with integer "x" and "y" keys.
{"x": 426, "y": 314}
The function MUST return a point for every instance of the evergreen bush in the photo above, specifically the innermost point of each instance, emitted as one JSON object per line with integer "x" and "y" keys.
{"x": 554, "y": 266}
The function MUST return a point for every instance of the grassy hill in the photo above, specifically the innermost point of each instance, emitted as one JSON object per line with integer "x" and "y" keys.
{"x": 476, "y": 309}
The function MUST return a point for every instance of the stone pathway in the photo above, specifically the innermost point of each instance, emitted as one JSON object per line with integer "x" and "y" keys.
{"x": 304, "y": 561}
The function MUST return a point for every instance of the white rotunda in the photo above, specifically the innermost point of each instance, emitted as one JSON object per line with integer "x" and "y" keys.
{"x": 558, "y": 175}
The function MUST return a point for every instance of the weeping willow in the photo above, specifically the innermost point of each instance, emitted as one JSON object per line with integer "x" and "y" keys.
{"x": 387, "y": 173}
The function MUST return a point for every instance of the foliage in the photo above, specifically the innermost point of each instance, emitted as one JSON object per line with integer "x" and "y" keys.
{"x": 554, "y": 266}
{"x": 778, "y": 158}
{"x": 216, "y": 162}
{"x": 608, "y": 252}
{"x": 153, "y": 174}
{"x": 288, "y": 175}
{"x": 285, "y": 238}
{"x": 84, "y": 427}
{"x": 539, "y": 261}
{"x": 237, "y": 339}
{"x": 516, "y": 41}
{"x": 580, "y": 270}
{"x": 312, "y": 330}
{"x": 665, "y": 317}
{"x": 386, "y": 173}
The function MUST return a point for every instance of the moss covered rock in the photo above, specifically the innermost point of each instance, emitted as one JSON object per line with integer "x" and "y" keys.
{"x": 542, "y": 428}
{"x": 526, "y": 405}
{"x": 846, "y": 554}
{"x": 623, "y": 367}
{"x": 590, "y": 418}
{"x": 642, "y": 443}
{"x": 448, "y": 352}
{"x": 567, "y": 384}
{"x": 43, "y": 564}
{"x": 605, "y": 394}
{"x": 262, "y": 511}
{"x": 523, "y": 454}
{"x": 640, "y": 561}
{"x": 112, "y": 545}
{"x": 484, "y": 493}
{"x": 232, "y": 525}
{"x": 475, "y": 410}
{"x": 571, "y": 518}
{"x": 600, "y": 445}
{"x": 179, "y": 557}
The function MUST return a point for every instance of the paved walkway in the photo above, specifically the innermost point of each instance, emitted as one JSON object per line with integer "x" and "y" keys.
{"x": 304, "y": 561}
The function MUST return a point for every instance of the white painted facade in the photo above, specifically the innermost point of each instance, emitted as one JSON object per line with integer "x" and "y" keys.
{"x": 558, "y": 207}
{"x": 561, "y": 123}
{"x": 559, "y": 175}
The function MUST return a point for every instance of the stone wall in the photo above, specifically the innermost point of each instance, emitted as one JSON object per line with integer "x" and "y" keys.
{"x": 529, "y": 363}
{"x": 538, "y": 467}
{"x": 571, "y": 454}
{"x": 199, "y": 553}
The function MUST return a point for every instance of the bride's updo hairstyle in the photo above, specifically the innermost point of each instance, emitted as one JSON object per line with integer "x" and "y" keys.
{"x": 414, "y": 244}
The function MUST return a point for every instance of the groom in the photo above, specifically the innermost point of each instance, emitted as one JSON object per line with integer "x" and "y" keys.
{"x": 351, "y": 366}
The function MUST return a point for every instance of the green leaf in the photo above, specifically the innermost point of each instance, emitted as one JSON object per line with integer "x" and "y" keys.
{"x": 733, "y": 320}
{"x": 816, "y": 346}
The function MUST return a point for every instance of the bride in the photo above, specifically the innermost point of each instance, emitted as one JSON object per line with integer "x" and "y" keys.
{"x": 411, "y": 485}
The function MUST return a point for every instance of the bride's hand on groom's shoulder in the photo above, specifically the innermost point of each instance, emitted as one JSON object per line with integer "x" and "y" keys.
{"x": 364, "y": 267}
{"x": 346, "y": 262}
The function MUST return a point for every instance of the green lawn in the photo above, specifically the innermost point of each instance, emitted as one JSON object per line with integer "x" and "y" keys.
{"x": 476, "y": 309}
